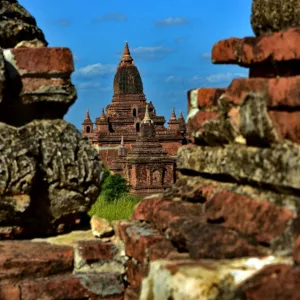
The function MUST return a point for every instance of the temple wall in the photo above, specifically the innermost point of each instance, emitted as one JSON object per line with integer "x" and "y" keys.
{"x": 108, "y": 156}
{"x": 171, "y": 147}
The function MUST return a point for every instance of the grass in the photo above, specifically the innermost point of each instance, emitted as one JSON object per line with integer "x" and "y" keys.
{"x": 120, "y": 209}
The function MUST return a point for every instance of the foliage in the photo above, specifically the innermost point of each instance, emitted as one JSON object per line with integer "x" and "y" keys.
{"x": 119, "y": 209}
{"x": 114, "y": 202}
{"x": 113, "y": 187}
{"x": 106, "y": 173}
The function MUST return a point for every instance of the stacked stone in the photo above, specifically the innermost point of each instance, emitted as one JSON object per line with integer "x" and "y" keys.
{"x": 234, "y": 212}
{"x": 50, "y": 175}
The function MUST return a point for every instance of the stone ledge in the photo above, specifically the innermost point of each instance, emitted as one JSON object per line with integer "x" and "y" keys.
{"x": 246, "y": 164}
{"x": 278, "y": 47}
{"x": 204, "y": 129}
{"x": 105, "y": 286}
{"x": 281, "y": 93}
{"x": 21, "y": 259}
{"x": 138, "y": 238}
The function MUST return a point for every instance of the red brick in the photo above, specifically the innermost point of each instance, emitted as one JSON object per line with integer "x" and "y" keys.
{"x": 102, "y": 286}
{"x": 172, "y": 211}
{"x": 206, "y": 97}
{"x": 296, "y": 251}
{"x": 261, "y": 219}
{"x": 132, "y": 293}
{"x": 136, "y": 272}
{"x": 144, "y": 209}
{"x": 92, "y": 251}
{"x": 31, "y": 259}
{"x": 161, "y": 250}
{"x": 43, "y": 60}
{"x": 195, "y": 123}
{"x": 9, "y": 291}
{"x": 280, "y": 282}
{"x": 32, "y": 83}
{"x": 280, "y": 46}
{"x": 280, "y": 92}
{"x": 287, "y": 124}
{"x": 138, "y": 238}
{"x": 211, "y": 241}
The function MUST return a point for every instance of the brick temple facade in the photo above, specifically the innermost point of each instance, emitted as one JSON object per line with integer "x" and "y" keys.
{"x": 131, "y": 138}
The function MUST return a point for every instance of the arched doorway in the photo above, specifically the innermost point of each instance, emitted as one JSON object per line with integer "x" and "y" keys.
{"x": 134, "y": 112}
{"x": 88, "y": 129}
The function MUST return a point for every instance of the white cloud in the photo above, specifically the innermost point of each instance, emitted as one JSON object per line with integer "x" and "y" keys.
{"x": 150, "y": 53}
{"x": 64, "y": 22}
{"x": 221, "y": 77}
{"x": 95, "y": 70}
{"x": 218, "y": 78}
{"x": 87, "y": 85}
{"x": 171, "y": 21}
{"x": 180, "y": 40}
{"x": 173, "y": 78}
{"x": 111, "y": 17}
{"x": 206, "y": 55}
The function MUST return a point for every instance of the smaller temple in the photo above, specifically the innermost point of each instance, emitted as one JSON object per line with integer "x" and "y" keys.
{"x": 147, "y": 166}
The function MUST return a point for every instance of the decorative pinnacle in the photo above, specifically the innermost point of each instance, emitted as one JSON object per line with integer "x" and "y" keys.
{"x": 103, "y": 114}
{"x": 87, "y": 115}
{"x": 126, "y": 54}
{"x": 181, "y": 116}
{"x": 122, "y": 141}
{"x": 147, "y": 118}
{"x": 173, "y": 115}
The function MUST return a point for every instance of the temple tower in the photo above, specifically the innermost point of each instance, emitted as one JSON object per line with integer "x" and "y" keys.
{"x": 87, "y": 124}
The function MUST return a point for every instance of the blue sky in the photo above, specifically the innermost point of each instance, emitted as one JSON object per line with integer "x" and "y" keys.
{"x": 170, "y": 42}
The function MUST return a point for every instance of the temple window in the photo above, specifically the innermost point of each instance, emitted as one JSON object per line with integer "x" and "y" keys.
{"x": 88, "y": 129}
{"x": 137, "y": 127}
{"x": 134, "y": 112}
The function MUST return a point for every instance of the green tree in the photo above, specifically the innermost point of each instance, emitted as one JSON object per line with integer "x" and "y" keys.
{"x": 105, "y": 174}
{"x": 113, "y": 187}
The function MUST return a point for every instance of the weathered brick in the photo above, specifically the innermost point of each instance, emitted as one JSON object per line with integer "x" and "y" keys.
{"x": 296, "y": 251}
{"x": 41, "y": 60}
{"x": 280, "y": 92}
{"x": 273, "y": 282}
{"x": 104, "y": 286}
{"x": 280, "y": 46}
{"x": 92, "y": 251}
{"x": 207, "y": 98}
{"x": 138, "y": 237}
{"x": 195, "y": 123}
{"x": 248, "y": 216}
{"x": 21, "y": 259}
{"x": 136, "y": 272}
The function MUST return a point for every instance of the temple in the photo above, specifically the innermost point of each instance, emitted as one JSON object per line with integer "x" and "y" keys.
{"x": 132, "y": 140}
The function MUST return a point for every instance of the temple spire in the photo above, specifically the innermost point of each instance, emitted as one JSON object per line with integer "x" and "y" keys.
{"x": 181, "y": 116}
{"x": 173, "y": 115}
{"x": 126, "y": 49}
{"x": 126, "y": 58}
{"x": 147, "y": 118}
{"x": 87, "y": 115}
{"x": 103, "y": 116}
